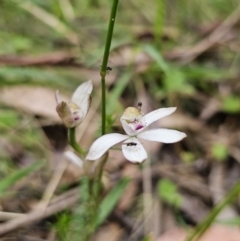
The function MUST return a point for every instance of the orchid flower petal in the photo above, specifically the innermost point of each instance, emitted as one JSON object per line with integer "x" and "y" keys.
{"x": 57, "y": 97}
{"x": 82, "y": 97}
{"x": 158, "y": 114}
{"x": 162, "y": 135}
{"x": 73, "y": 158}
{"x": 103, "y": 143}
{"x": 133, "y": 150}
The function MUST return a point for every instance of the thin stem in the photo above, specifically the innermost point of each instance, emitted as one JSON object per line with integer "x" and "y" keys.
{"x": 203, "y": 226}
{"x": 103, "y": 105}
{"x": 99, "y": 176}
{"x": 73, "y": 142}
{"x": 103, "y": 71}
{"x": 95, "y": 188}
{"x": 92, "y": 205}
{"x": 147, "y": 196}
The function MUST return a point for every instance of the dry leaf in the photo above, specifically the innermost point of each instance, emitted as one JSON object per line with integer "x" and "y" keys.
{"x": 34, "y": 100}
{"x": 216, "y": 232}
{"x": 110, "y": 232}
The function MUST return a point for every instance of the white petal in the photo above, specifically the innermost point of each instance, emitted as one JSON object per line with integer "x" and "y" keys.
{"x": 134, "y": 151}
{"x": 73, "y": 158}
{"x": 82, "y": 90}
{"x": 162, "y": 135}
{"x": 158, "y": 114}
{"x": 82, "y": 97}
{"x": 57, "y": 97}
{"x": 102, "y": 144}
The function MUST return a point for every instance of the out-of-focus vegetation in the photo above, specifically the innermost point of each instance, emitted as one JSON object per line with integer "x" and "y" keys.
{"x": 158, "y": 57}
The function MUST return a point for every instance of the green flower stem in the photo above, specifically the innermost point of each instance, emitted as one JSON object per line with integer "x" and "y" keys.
{"x": 103, "y": 71}
{"x": 96, "y": 186}
{"x": 103, "y": 106}
{"x": 99, "y": 177}
{"x": 92, "y": 213}
{"x": 73, "y": 142}
{"x": 203, "y": 226}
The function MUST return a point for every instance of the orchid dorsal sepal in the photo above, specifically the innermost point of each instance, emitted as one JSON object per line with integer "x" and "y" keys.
{"x": 74, "y": 112}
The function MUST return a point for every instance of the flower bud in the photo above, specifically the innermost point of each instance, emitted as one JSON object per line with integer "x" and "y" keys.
{"x": 75, "y": 111}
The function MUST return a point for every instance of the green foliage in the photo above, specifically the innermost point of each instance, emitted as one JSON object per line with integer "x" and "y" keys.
{"x": 174, "y": 80}
{"x": 201, "y": 228}
{"x": 16, "y": 176}
{"x": 62, "y": 225}
{"x": 20, "y": 43}
{"x": 188, "y": 157}
{"x": 167, "y": 190}
{"x": 8, "y": 118}
{"x": 149, "y": 237}
{"x": 113, "y": 104}
{"x": 231, "y": 104}
{"x": 199, "y": 73}
{"x": 159, "y": 20}
{"x": 110, "y": 201}
{"x": 219, "y": 151}
{"x": 27, "y": 75}
{"x": 21, "y": 132}
{"x": 230, "y": 222}
{"x": 80, "y": 224}
{"x": 89, "y": 27}
{"x": 156, "y": 55}
{"x": 110, "y": 120}
{"x": 84, "y": 219}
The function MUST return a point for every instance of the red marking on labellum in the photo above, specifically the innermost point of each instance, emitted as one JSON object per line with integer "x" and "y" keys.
{"x": 138, "y": 127}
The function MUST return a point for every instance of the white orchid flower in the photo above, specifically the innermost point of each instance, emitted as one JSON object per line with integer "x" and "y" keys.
{"x": 74, "y": 112}
{"x": 134, "y": 123}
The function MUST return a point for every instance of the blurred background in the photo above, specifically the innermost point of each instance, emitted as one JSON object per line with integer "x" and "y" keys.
{"x": 183, "y": 53}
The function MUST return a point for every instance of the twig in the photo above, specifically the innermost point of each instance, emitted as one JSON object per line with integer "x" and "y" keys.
{"x": 194, "y": 186}
{"x": 189, "y": 55}
{"x": 58, "y": 58}
{"x": 4, "y": 216}
{"x": 52, "y": 185}
{"x": 123, "y": 220}
{"x": 50, "y": 20}
{"x": 66, "y": 195}
{"x": 57, "y": 205}
{"x": 29, "y": 238}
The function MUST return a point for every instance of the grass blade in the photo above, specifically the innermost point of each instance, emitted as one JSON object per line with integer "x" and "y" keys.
{"x": 16, "y": 176}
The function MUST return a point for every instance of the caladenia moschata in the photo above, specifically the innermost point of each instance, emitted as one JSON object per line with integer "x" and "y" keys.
{"x": 74, "y": 112}
{"x": 134, "y": 124}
